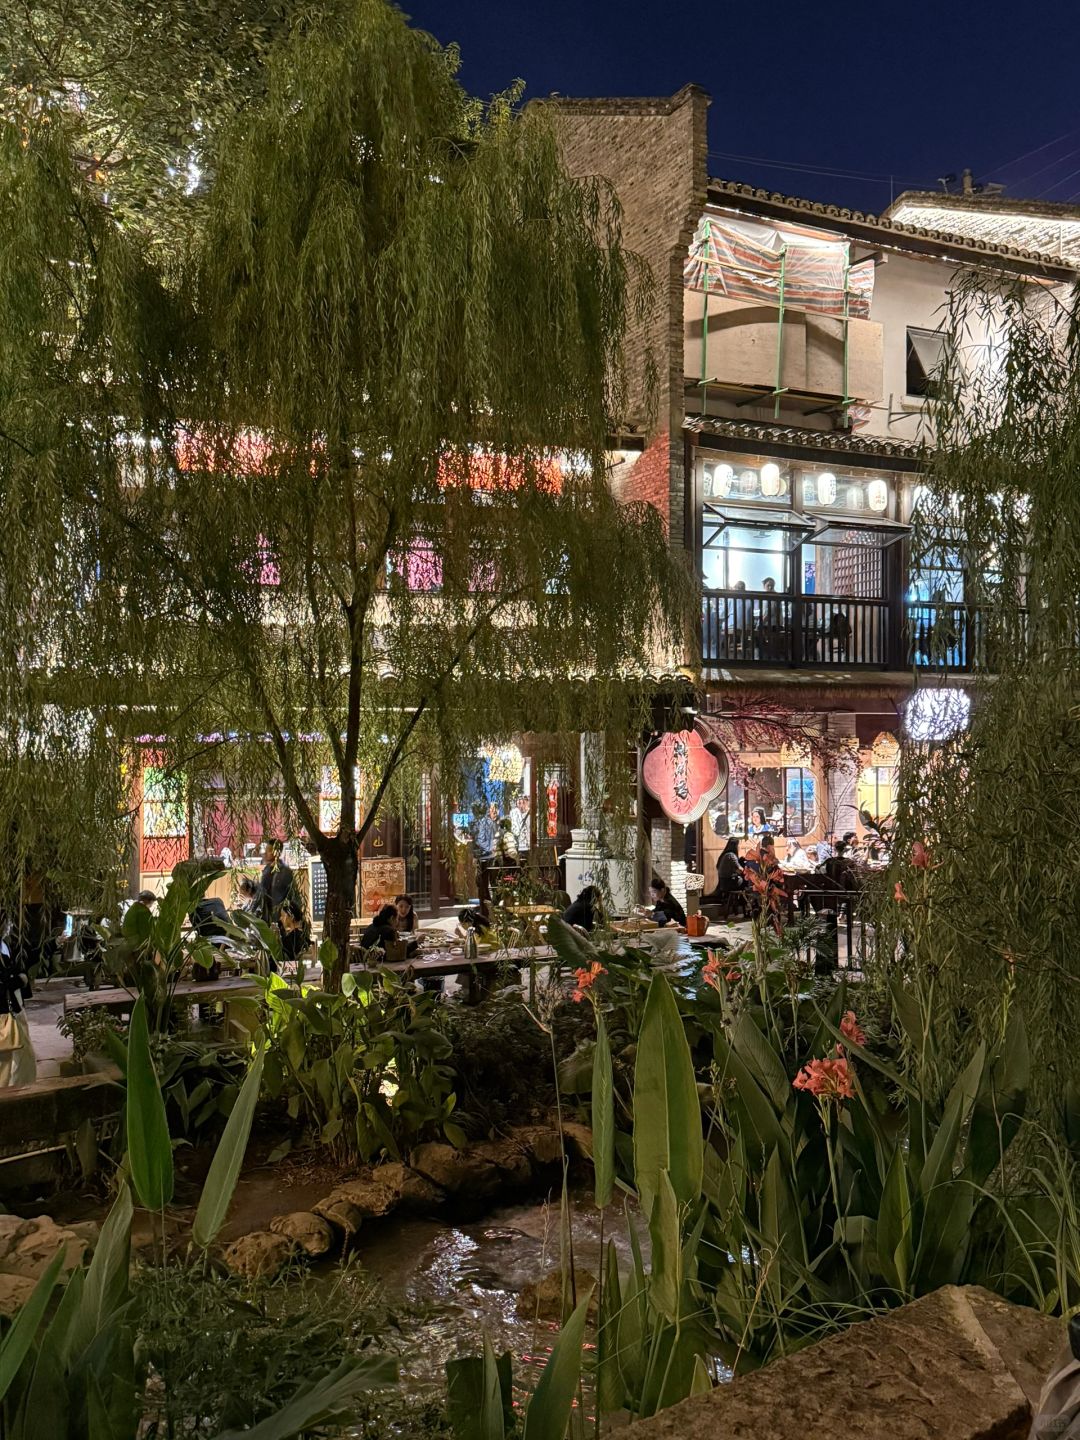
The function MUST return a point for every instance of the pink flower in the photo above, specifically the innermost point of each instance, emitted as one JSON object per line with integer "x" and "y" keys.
{"x": 920, "y": 856}
{"x": 849, "y": 1028}
{"x": 898, "y": 893}
{"x": 586, "y": 979}
{"x": 826, "y": 1079}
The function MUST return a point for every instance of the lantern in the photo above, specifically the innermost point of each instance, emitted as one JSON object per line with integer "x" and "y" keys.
{"x": 770, "y": 479}
{"x": 826, "y": 488}
{"x": 723, "y": 479}
{"x": 877, "y": 495}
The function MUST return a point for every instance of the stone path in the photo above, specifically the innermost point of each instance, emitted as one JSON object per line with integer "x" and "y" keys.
{"x": 42, "y": 1012}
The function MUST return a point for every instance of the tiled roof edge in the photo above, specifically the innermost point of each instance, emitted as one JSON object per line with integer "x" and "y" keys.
{"x": 848, "y": 444}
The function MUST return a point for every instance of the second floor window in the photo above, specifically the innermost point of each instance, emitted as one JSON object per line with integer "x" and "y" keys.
{"x": 925, "y": 356}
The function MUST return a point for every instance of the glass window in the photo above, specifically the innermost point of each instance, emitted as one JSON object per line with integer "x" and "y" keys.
{"x": 925, "y": 359}
{"x": 800, "y": 801}
{"x": 877, "y": 791}
{"x": 856, "y": 570}
{"x": 747, "y": 557}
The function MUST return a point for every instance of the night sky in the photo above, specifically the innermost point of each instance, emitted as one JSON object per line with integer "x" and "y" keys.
{"x": 847, "y": 103}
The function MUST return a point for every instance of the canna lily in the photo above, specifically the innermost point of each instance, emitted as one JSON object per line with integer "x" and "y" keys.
{"x": 898, "y": 893}
{"x": 826, "y": 1079}
{"x": 920, "y": 856}
{"x": 586, "y": 979}
{"x": 849, "y": 1028}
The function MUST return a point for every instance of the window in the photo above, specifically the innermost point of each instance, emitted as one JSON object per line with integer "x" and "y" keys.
{"x": 925, "y": 356}
{"x": 800, "y": 801}
{"x": 876, "y": 791}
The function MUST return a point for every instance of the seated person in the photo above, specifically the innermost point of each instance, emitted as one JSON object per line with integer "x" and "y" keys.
{"x": 665, "y": 908}
{"x": 472, "y": 919}
{"x": 839, "y": 868}
{"x": 797, "y": 858}
{"x": 210, "y": 919}
{"x": 383, "y": 930}
{"x": 406, "y": 913}
{"x": 586, "y": 909}
{"x": 729, "y": 870}
{"x": 295, "y": 934}
{"x": 250, "y": 902}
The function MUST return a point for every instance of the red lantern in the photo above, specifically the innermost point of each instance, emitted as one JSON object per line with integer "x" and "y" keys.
{"x": 683, "y": 775}
{"x": 552, "y": 810}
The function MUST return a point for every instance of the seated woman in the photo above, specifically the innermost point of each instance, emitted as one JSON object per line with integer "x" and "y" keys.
{"x": 729, "y": 870}
{"x": 406, "y": 914}
{"x": 665, "y": 908}
{"x": 586, "y": 909}
{"x": 295, "y": 935}
{"x": 382, "y": 930}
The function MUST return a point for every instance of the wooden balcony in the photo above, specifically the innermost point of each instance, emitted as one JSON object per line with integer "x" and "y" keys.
{"x": 814, "y": 632}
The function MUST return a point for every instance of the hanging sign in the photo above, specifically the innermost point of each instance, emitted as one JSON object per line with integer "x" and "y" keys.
{"x": 553, "y": 810}
{"x": 886, "y": 750}
{"x": 684, "y": 776}
{"x": 380, "y": 881}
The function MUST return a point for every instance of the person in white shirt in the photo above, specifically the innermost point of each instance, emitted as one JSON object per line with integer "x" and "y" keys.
{"x": 797, "y": 858}
{"x": 521, "y": 823}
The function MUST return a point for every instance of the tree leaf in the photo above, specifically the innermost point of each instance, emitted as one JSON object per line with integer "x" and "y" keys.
{"x": 549, "y": 1409}
{"x": 18, "y": 1340}
{"x": 480, "y": 1394}
{"x": 322, "y": 1399}
{"x": 228, "y": 1157}
{"x": 149, "y": 1146}
{"x": 667, "y": 1112}
{"x": 894, "y": 1226}
{"x": 665, "y": 1279}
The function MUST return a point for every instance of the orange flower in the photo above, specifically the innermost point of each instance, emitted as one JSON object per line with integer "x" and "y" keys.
{"x": 711, "y": 972}
{"x": 849, "y": 1028}
{"x": 920, "y": 856}
{"x": 898, "y": 893}
{"x": 586, "y": 979}
{"x": 826, "y": 1079}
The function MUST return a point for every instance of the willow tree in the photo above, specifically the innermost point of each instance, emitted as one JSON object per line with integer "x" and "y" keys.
{"x": 990, "y": 918}
{"x": 328, "y": 493}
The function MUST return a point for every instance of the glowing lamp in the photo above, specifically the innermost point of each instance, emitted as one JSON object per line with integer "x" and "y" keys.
{"x": 877, "y": 495}
{"x": 826, "y": 488}
{"x": 770, "y": 479}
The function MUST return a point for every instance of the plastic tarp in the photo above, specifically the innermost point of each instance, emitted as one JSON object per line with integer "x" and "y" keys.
{"x": 746, "y": 260}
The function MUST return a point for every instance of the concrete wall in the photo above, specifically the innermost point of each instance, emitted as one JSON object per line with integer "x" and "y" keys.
{"x": 654, "y": 154}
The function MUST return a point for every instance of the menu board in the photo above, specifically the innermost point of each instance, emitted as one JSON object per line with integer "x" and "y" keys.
{"x": 318, "y": 890}
{"x": 380, "y": 881}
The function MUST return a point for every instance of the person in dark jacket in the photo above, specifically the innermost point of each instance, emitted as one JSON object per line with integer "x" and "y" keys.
{"x": 586, "y": 910}
{"x": 295, "y": 934}
{"x": 406, "y": 914}
{"x": 666, "y": 910}
{"x": 209, "y": 918}
{"x": 276, "y": 882}
{"x": 729, "y": 870}
{"x": 18, "y": 1065}
{"x": 382, "y": 930}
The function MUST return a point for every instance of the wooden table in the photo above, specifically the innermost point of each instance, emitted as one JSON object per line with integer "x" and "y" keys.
{"x": 121, "y": 1002}
{"x": 480, "y": 970}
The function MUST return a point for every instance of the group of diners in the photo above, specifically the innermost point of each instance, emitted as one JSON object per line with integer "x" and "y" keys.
{"x": 734, "y": 872}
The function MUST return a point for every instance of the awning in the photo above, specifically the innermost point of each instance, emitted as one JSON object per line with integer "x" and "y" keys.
{"x": 795, "y": 526}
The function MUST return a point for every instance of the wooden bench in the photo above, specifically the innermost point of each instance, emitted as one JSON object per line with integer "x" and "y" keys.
{"x": 121, "y": 1002}
{"x": 480, "y": 971}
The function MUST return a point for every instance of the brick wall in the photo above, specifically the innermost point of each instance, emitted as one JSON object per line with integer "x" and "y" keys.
{"x": 648, "y": 477}
{"x": 654, "y": 154}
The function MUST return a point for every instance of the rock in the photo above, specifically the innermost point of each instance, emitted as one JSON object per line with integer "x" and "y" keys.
{"x": 509, "y": 1157}
{"x": 371, "y": 1195}
{"x": 456, "y": 1171}
{"x": 541, "y": 1141}
{"x": 414, "y": 1192}
{"x": 32, "y": 1253}
{"x": 12, "y": 1229}
{"x": 579, "y": 1140}
{"x": 15, "y": 1290}
{"x": 260, "y": 1253}
{"x": 341, "y": 1213}
{"x": 543, "y": 1299}
{"x": 314, "y": 1235}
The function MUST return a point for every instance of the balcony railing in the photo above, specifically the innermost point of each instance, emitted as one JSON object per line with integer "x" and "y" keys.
{"x": 742, "y": 627}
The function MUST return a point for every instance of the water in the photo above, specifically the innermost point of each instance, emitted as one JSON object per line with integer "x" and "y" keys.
{"x": 456, "y": 1282}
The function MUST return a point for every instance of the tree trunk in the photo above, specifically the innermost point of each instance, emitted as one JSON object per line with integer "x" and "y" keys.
{"x": 339, "y": 859}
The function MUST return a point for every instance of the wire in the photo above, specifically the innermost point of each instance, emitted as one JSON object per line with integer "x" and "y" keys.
{"x": 1055, "y": 183}
{"x": 1069, "y": 155}
{"x": 1028, "y": 153}
{"x": 814, "y": 169}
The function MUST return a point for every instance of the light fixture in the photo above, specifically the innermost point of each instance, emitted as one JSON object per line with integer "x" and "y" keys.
{"x": 770, "y": 479}
{"x": 877, "y": 495}
{"x": 826, "y": 488}
{"x": 723, "y": 479}
{"x": 748, "y": 481}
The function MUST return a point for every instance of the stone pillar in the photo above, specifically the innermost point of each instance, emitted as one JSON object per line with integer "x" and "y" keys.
{"x": 587, "y": 862}
{"x": 842, "y": 776}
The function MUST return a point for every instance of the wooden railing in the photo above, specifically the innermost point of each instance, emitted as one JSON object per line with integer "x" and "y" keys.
{"x": 743, "y": 627}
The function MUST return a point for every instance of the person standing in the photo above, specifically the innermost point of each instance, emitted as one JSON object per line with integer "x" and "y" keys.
{"x": 521, "y": 824}
{"x": 276, "y": 882}
{"x": 18, "y": 1064}
{"x": 487, "y": 832}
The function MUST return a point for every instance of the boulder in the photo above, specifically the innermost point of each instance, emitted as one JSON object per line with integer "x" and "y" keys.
{"x": 15, "y": 1290}
{"x": 543, "y": 1299}
{"x": 12, "y": 1230}
{"x": 371, "y": 1195}
{"x": 541, "y": 1141}
{"x": 260, "y": 1253}
{"x": 579, "y": 1140}
{"x": 458, "y": 1172}
{"x": 314, "y": 1235}
{"x": 414, "y": 1192}
{"x": 341, "y": 1213}
{"x": 509, "y": 1157}
{"x": 32, "y": 1252}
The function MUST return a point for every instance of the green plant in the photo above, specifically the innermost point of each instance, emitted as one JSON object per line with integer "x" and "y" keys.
{"x": 501, "y": 1061}
{"x": 79, "y": 1370}
{"x": 365, "y": 1070}
{"x": 88, "y": 1031}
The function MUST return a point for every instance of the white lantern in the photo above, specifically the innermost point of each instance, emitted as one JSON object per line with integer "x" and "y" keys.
{"x": 877, "y": 495}
{"x": 770, "y": 479}
{"x": 826, "y": 488}
{"x": 723, "y": 479}
{"x": 748, "y": 481}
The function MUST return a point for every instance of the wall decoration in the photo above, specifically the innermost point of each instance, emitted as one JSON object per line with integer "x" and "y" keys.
{"x": 683, "y": 775}
{"x": 380, "y": 881}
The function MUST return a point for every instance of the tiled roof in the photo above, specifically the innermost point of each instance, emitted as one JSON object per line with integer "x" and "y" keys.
{"x": 877, "y": 229}
{"x": 625, "y": 105}
{"x": 994, "y": 204}
{"x": 834, "y": 441}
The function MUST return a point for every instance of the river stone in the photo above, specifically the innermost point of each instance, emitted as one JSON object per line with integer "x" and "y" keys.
{"x": 15, "y": 1290}
{"x": 341, "y": 1213}
{"x": 371, "y": 1195}
{"x": 509, "y": 1157}
{"x": 924, "y": 1371}
{"x": 542, "y": 1299}
{"x": 579, "y": 1140}
{"x": 33, "y": 1251}
{"x": 314, "y": 1235}
{"x": 541, "y": 1141}
{"x": 413, "y": 1191}
{"x": 260, "y": 1253}
{"x": 456, "y": 1171}
{"x": 12, "y": 1229}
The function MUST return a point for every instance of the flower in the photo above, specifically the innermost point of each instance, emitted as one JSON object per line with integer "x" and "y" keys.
{"x": 920, "y": 856}
{"x": 826, "y": 1079}
{"x": 732, "y": 975}
{"x": 849, "y": 1028}
{"x": 586, "y": 979}
{"x": 898, "y": 893}
{"x": 711, "y": 972}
